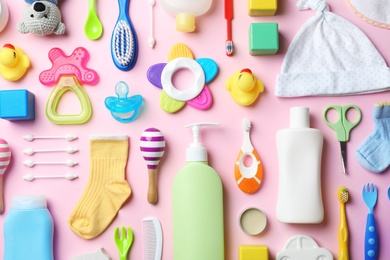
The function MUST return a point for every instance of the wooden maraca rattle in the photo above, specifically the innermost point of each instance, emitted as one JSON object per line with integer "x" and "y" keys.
{"x": 5, "y": 158}
{"x": 152, "y": 145}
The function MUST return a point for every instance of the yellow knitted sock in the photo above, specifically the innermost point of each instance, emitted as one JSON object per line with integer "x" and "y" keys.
{"x": 106, "y": 189}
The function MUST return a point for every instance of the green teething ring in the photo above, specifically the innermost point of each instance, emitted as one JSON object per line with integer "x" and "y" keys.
{"x": 65, "y": 84}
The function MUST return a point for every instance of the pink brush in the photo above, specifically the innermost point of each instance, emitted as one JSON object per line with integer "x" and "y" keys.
{"x": 5, "y": 158}
{"x": 152, "y": 145}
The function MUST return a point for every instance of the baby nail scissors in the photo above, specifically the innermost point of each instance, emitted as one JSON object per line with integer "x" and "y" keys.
{"x": 342, "y": 126}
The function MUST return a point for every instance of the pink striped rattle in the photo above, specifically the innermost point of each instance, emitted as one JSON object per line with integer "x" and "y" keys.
{"x": 152, "y": 145}
{"x": 5, "y": 158}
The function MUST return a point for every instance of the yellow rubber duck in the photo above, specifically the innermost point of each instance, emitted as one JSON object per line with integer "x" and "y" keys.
{"x": 13, "y": 62}
{"x": 244, "y": 87}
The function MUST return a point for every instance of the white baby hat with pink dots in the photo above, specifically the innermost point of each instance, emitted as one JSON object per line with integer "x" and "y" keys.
{"x": 330, "y": 56}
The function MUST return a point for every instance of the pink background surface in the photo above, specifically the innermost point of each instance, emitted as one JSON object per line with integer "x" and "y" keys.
{"x": 268, "y": 115}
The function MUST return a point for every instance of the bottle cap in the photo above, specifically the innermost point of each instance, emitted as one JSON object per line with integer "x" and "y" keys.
{"x": 185, "y": 22}
{"x": 299, "y": 117}
{"x": 29, "y": 202}
{"x": 196, "y": 152}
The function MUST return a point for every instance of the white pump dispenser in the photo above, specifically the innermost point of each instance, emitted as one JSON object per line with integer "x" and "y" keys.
{"x": 196, "y": 152}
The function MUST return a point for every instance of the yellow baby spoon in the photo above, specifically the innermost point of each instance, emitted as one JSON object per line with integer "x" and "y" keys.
{"x": 343, "y": 228}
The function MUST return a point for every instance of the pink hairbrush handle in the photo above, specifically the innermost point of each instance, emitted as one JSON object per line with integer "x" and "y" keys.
{"x": 152, "y": 145}
{"x": 5, "y": 158}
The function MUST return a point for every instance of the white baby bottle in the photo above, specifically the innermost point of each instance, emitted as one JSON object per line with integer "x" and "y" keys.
{"x": 185, "y": 12}
{"x": 299, "y": 158}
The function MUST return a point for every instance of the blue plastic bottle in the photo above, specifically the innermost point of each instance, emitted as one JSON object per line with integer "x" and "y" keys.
{"x": 28, "y": 229}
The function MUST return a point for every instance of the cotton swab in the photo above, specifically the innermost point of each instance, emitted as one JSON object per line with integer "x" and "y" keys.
{"x": 152, "y": 41}
{"x": 30, "y": 177}
{"x": 68, "y": 137}
{"x": 31, "y": 163}
{"x": 31, "y": 151}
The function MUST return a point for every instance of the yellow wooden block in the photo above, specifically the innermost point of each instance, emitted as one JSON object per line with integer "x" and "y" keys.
{"x": 262, "y": 7}
{"x": 253, "y": 252}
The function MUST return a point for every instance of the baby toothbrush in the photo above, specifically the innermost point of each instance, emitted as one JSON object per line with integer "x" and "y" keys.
{"x": 124, "y": 46}
{"x": 152, "y": 146}
{"x": 229, "y": 18}
{"x": 343, "y": 228}
{"x": 5, "y": 158}
{"x": 248, "y": 178}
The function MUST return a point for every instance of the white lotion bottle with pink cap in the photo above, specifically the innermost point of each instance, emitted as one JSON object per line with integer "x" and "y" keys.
{"x": 299, "y": 150}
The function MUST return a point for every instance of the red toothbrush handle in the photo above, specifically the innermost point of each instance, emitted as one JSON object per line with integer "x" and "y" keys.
{"x": 228, "y": 9}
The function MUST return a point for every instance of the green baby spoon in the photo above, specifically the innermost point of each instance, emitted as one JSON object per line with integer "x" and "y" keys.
{"x": 93, "y": 28}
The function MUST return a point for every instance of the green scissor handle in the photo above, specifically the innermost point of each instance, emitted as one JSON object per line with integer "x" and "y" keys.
{"x": 342, "y": 126}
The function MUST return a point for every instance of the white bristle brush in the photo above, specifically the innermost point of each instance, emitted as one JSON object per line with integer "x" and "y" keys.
{"x": 151, "y": 239}
{"x": 124, "y": 45}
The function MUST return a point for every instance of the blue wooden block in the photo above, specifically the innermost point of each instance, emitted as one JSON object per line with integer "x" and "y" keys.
{"x": 17, "y": 105}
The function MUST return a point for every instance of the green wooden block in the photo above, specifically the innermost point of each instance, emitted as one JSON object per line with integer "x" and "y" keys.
{"x": 263, "y": 38}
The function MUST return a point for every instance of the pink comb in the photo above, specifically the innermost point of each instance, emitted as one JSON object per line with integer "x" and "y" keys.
{"x": 75, "y": 64}
{"x": 152, "y": 145}
{"x": 5, "y": 158}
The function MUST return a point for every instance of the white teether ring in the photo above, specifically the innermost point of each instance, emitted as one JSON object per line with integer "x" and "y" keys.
{"x": 175, "y": 65}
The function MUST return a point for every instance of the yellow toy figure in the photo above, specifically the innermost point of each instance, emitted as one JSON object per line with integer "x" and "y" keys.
{"x": 244, "y": 87}
{"x": 13, "y": 62}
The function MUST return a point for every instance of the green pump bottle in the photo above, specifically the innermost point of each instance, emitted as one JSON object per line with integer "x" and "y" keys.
{"x": 197, "y": 203}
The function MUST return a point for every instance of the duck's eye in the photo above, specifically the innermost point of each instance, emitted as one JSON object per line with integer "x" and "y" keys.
{"x": 14, "y": 55}
{"x": 31, "y": 15}
{"x": 45, "y": 16}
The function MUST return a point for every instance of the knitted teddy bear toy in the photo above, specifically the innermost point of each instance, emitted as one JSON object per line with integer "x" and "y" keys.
{"x": 41, "y": 17}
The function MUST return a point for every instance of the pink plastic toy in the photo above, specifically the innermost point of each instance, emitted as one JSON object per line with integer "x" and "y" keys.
{"x": 75, "y": 64}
